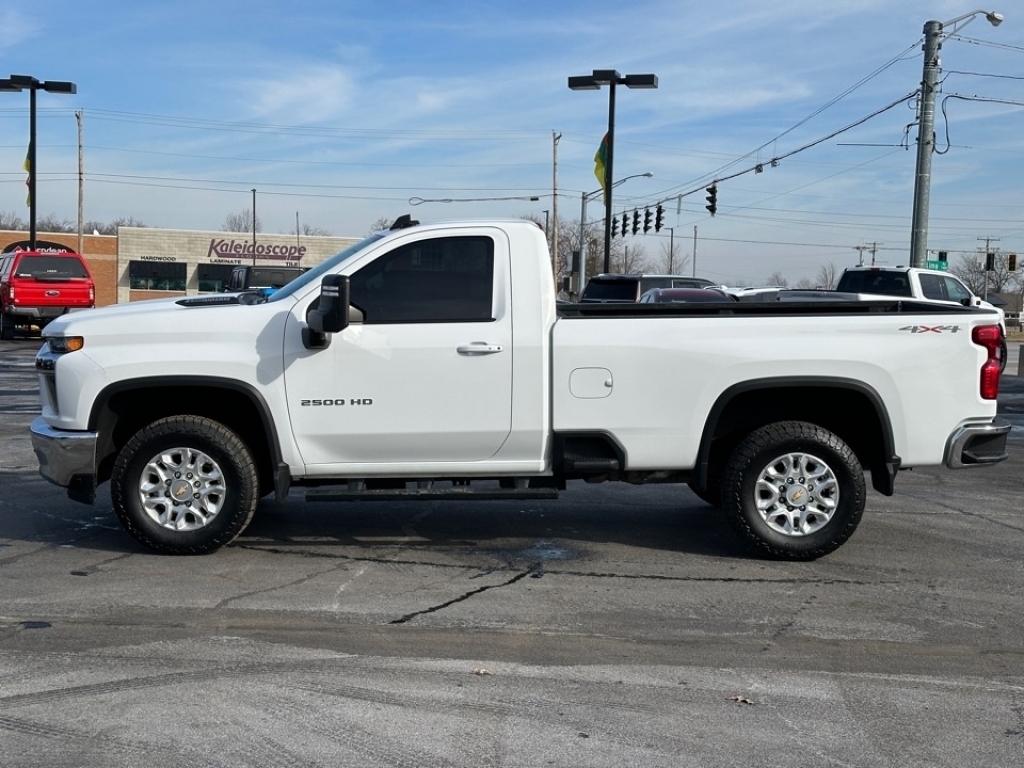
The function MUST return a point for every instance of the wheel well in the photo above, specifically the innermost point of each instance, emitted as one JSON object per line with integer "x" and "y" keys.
{"x": 127, "y": 411}
{"x": 849, "y": 412}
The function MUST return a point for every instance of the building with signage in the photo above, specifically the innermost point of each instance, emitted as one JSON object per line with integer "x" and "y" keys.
{"x": 154, "y": 263}
{"x": 148, "y": 263}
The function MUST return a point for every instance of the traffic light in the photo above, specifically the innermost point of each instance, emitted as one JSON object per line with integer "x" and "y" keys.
{"x": 625, "y": 223}
{"x": 647, "y": 220}
{"x": 636, "y": 221}
{"x": 659, "y": 218}
{"x": 990, "y": 262}
{"x": 1011, "y": 262}
{"x": 943, "y": 256}
{"x": 712, "y": 199}
{"x": 615, "y": 226}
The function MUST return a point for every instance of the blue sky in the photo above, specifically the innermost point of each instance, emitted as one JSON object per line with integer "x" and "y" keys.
{"x": 341, "y": 112}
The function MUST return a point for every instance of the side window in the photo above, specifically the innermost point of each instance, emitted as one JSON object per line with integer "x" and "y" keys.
{"x": 444, "y": 280}
{"x": 955, "y": 290}
{"x": 932, "y": 288}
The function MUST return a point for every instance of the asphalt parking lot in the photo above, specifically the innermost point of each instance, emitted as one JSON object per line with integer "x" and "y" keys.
{"x": 616, "y": 626}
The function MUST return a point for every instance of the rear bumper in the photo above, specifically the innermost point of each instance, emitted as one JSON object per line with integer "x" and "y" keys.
{"x": 67, "y": 459}
{"x": 42, "y": 313}
{"x": 975, "y": 445}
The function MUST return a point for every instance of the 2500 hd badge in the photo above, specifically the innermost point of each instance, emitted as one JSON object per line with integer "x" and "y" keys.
{"x": 339, "y": 401}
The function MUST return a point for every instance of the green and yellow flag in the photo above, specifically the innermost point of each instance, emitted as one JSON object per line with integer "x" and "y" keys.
{"x": 27, "y": 165}
{"x": 599, "y": 163}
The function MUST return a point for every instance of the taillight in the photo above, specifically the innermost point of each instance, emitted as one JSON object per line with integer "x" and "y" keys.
{"x": 92, "y": 295}
{"x": 989, "y": 337}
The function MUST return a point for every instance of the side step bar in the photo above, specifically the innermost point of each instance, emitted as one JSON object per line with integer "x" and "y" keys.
{"x": 457, "y": 493}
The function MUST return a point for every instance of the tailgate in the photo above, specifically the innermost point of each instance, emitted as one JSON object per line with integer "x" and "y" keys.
{"x": 73, "y": 292}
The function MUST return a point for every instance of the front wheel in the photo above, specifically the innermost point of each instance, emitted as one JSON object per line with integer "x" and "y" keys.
{"x": 184, "y": 485}
{"x": 794, "y": 490}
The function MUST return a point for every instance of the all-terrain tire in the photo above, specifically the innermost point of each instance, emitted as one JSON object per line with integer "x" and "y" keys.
{"x": 184, "y": 485}
{"x": 793, "y": 490}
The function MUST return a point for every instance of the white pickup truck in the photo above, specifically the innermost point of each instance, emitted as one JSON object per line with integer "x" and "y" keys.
{"x": 432, "y": 362}
{"x": 918, "y": 284}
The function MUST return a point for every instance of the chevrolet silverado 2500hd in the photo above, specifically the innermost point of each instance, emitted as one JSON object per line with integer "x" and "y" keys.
{"x": 431, "y": 362}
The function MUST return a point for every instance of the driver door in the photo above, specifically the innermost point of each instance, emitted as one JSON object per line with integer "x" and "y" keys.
{"x": 426, "y": 377}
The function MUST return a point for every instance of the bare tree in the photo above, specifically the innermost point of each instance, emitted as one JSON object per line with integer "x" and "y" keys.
{"x": 672, "y": 260}
{"x": 12, "y": 221}
{"x": 310, "y": 231}
{"x": 827, "y": 277}
{"x": 971, "y": 269}
{"x": 777, "y": 280}
{"x": 241, "y": 221}
{"x": 50, "y": 223}
{"x": 634, "y": 258}
{"x": 110, "y": 228}
{"x": 382, "y": 223}
{"x": 805, "y": 284}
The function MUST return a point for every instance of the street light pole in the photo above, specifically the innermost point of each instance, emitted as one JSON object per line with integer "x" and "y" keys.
{"x": 254, "y": 226}
{"x": 933, "y": 34}
{"x": 20, "y": 83}
{"x": 583, "y": 226}
{"x": 593, "y": 82}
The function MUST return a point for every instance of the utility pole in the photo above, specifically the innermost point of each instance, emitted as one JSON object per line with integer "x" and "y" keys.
{"x": 874, "y": 249}
{"x": 988, "y": 251}
{"x": 925, "y": 143}
{"x": 694, "y": 250}
{"x": 860, "y": 254}
{"x": 555, "y": 137}
{"x": 254, "y": 226}
{"x": 81, "y": 182}
{"x": 933, "y": 34}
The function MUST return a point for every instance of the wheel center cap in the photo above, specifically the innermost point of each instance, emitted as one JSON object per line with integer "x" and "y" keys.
{"x": 181, "y": 490}
{"x": 797, "y": 495}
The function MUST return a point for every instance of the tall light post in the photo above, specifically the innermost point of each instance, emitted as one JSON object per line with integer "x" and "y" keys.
{"x": 254, "y": 226}
{"x": 20, "y": 83}
{"x": 934, "y": 31}
{"x": 671, "y": 247}
{"x": 583, "y": 224}
{"x": 593, "y": 82}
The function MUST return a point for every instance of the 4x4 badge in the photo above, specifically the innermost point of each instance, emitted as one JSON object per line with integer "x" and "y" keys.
{"x": 931, "y": 328}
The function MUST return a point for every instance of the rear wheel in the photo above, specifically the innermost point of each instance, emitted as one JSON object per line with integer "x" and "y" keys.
{"x": 6, "y": 326}
{"x": 794, "y": 490}
{"x": 184, "y": 485}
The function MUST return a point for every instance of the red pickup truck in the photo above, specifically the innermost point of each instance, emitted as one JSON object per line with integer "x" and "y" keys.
{"x": 37, "y": 286}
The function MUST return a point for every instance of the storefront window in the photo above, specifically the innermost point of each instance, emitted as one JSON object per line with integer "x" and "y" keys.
{"x": 157, "y": 276}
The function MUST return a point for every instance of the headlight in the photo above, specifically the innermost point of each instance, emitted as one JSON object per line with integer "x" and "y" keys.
{"x": 58, "y": 345}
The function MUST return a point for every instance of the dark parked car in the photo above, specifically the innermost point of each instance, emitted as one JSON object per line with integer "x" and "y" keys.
{"x": 672, "y": 295}
{"x": 611, "y": 288}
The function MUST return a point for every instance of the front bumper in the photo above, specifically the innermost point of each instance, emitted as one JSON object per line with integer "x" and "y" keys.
{"x": 976, "y": 445}
{"x": 66, "y": 458}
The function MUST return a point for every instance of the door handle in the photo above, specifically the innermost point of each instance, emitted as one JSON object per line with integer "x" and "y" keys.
{"x": 477, "y": 348}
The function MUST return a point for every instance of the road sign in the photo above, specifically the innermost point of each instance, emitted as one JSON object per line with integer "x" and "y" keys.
{"x": 930, "y": 264}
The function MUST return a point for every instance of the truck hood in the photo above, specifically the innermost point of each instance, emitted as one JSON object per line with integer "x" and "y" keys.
{"x": 164, "y": 316}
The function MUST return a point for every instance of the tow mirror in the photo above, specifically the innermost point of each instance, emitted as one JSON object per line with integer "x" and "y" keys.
{"x": 330, "y": 314}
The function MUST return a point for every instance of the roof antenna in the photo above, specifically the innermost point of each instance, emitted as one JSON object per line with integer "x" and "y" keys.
{"x": 403, "y": 221}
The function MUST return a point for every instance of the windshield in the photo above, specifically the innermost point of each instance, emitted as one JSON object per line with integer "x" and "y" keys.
{"x": 323, "y": 268}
